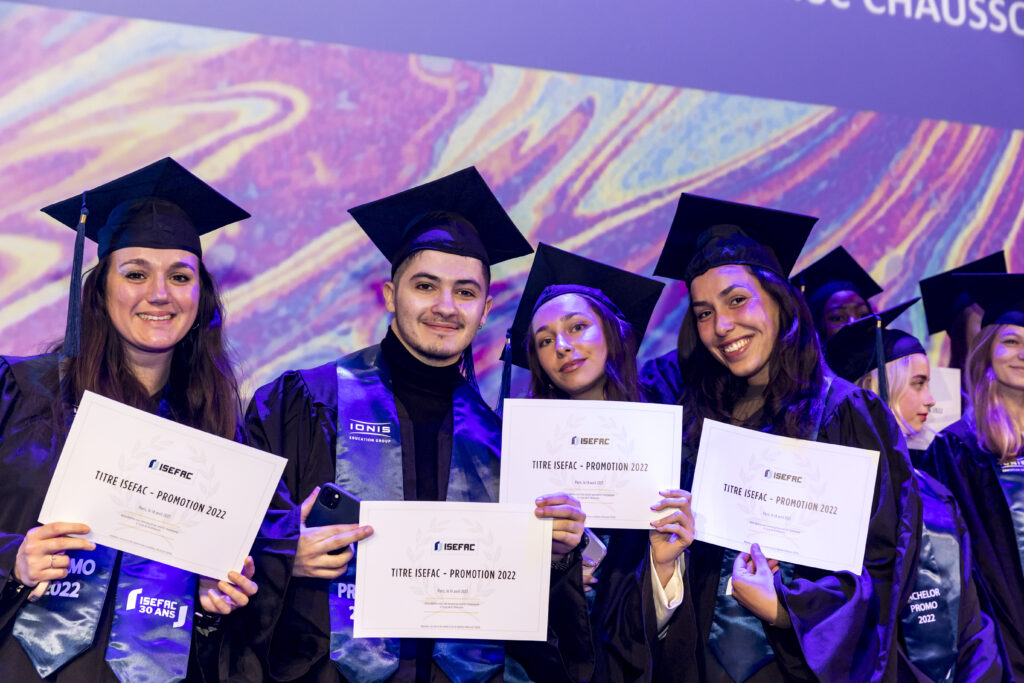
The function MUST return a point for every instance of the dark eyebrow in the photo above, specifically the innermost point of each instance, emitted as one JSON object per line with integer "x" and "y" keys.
{"x": 436, "y": 280}
{"x": 470, "y": 282}
{"x": 724, "y": 293}
{"x": 567, "y": 316}
{"x": 143, "y": 262}
{"x": 924, "y": 377}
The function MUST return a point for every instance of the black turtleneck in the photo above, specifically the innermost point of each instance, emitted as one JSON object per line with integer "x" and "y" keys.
{"x": 424, "y": 393}
{"x": 423, "y": 397}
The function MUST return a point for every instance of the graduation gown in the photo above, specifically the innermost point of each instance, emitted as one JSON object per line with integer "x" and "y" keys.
{"x": 844, "y": 626}
{"x": 296, "y": 416}
{"x": 31, "y": 438}
{"x": 629, "y": 647}
{"x": 977, "y": 654}
{"x": 958, "y": 460}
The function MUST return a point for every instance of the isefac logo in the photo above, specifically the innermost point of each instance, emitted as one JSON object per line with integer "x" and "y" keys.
{"x": 158, "y": 607}
{"x": 782, "y": 476}
{"x": 591, "y": 441}
{"x": 447, "y": 546}
{"x": 169, "y": 469}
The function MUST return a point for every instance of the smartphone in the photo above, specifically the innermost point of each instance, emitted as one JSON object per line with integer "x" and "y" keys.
{"x": 595, "y": 550}
{"x": 334, "y": 505}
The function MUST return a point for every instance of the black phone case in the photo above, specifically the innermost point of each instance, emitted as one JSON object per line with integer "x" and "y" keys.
{"x": 346, "y": 511}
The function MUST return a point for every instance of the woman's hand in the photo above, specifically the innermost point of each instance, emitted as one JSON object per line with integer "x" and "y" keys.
{"x": 673, "y": 534}
{"x": 567, "y": 529}
{"x": 753, "y": 586}
{"x": 41, "y": 555}
{"x": 312, "y": 556}
{"x": 223, "y": 597}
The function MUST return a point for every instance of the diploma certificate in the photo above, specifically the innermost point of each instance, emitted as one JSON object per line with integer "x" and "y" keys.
{"x": 804, "y": 502}
{"x": 612, "y": 456}
{"x": 160, "y": 490}
{"x": 452, "y": 570}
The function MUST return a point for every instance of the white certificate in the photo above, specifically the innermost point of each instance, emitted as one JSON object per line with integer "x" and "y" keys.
{"x": 945, "y": 387}
{"x": 452, "y": 570}
{"x": 160, "y": 490}
{"x": 804, "y": 502}
{"x": 612, "y": 456}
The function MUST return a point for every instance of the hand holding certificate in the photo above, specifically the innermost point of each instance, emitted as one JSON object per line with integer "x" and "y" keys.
{"x": 452, "y": 570}
{"x": 614, "y": 457}
{"x": 160, "y": 490}
{"x": 803, "y": 501}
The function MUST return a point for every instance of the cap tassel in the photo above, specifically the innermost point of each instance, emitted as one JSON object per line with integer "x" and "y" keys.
{"x": 468, "y": 368}
{"x": 73, "y": 330}
{"x": 883, "y": 381}
{"x": 506, "y": 374}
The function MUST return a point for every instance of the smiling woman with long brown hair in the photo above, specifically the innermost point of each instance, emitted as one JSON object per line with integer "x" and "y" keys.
{"x": 748, "y": 355}
{"x": 148, "y": 333}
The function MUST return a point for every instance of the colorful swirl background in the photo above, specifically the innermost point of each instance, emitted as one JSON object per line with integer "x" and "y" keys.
{"x": 297, "y": 132}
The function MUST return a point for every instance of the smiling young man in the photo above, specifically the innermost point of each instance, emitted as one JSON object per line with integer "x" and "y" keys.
{"x": 433, "y": 438}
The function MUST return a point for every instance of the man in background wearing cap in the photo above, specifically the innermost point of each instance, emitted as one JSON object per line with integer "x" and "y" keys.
{"x": 435, "y": 439}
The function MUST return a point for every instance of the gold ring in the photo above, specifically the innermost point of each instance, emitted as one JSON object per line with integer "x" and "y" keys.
{"x": 51, "y": 562}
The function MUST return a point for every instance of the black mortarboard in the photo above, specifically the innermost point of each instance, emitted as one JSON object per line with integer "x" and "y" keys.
{"x": 836, "y": 271}
{"x": 945, "y": 297}
{"x": 1000, "y": 295}
{"x": 630, "y": 297}
{"x": 865, "y": 345}
{"x": 707, "y": 233}
{"x": 555, "y": 272}
{"x": 457, "y": 214}
{"x": 160, "y": 206}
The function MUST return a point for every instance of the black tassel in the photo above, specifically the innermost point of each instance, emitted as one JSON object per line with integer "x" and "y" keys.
{"x": 883, "y": 381}
{"x": 506, "y": 374}
{"x": 73, "y": 329}
{"x": 468, "y": 368}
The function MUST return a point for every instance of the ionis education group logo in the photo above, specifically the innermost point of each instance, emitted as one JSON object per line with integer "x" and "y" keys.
{"x": 371, "y": 432}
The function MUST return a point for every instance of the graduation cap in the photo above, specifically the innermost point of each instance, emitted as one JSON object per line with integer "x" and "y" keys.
{"x": 630, "y": 297}
{"x": 1000, "y": 295}
{"x": 945, "y": 297}
{"x": 865, "y": 345}
{"x": 457, "y": 214}
{"x": 160, "y": 206}
{"x": 707, "y": 233}
{"x": 836, "y": 271}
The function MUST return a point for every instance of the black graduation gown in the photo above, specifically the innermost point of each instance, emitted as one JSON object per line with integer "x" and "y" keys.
{"x": 629, "y": 647}
{"x": 296, "y": 417}
{"x": 957, "y": 459}
{"x": 846, "y": 626}
{"x": 31, "y": 439}
{"x": 978, "y": 657}
{"x": 661, "y": 380}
